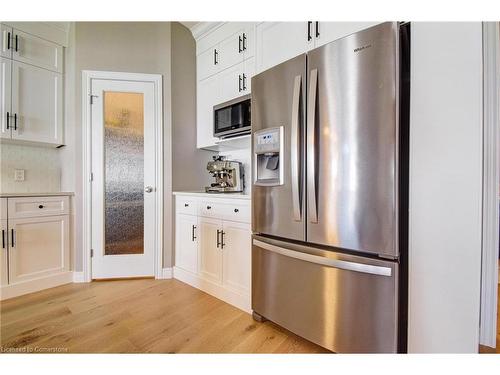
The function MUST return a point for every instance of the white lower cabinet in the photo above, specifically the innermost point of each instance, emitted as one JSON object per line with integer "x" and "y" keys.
{"x": 213, "y": 247}
{"x": 35, "y": 244}
{"x": 210, "y": 249}
{"x": 186, "y": 235}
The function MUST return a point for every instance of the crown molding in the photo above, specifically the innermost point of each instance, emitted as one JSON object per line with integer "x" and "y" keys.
{"x": 201, "y": 28}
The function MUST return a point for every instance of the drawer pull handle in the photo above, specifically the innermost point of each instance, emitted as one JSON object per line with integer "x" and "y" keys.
{"x": 209, "y": 207}
{"x": 40, "y": 206}
{"x": 186, "y": 205}
{"x": 236, "y": 210}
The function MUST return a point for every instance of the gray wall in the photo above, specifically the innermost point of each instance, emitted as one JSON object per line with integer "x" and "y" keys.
{"x": 188, "y": 163}
{"x": 139, "y": 47}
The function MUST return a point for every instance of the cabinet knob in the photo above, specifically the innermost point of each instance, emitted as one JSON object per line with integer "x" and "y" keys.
{"x": 40, "y": 206}
{"x": 236, "y": 210}
{"x": 186, "y": 205}
{"x": 209, "y": 207}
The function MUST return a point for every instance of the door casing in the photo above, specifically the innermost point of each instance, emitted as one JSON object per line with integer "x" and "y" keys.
{"x": 157, "y": 80}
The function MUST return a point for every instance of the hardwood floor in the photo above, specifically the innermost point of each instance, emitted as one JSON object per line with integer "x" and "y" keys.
{"x": 130, "y": 316}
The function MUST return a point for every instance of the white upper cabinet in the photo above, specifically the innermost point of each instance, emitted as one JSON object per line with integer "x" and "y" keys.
{"x": 208, "y": 95}
{"x": 6, "y": 41}
{"x": 5, "y": 97}
{"x": 277, "y": 42}
{"x": 36, "y": 105}
{"x": 37, "y": 51}
{"x": 207, "y": 63}
{"x": 326, "y": 32}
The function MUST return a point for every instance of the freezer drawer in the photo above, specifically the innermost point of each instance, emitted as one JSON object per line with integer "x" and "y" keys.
{"x": 345, "y": 303}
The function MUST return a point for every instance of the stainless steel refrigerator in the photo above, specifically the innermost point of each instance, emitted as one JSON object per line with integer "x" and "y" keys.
{"x": 329, "y": 146}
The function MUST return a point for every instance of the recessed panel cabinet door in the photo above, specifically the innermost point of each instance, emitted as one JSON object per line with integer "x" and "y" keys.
{"x": 39, "y": 246}
{"x": 5, "y": 97}
{"x": 210, "y": 250}
{"x": 208, "y": 63}
{"x": 237, "y": 256}
{"x": 3, "y": 255}
{"x": 186, "y": 253}
{"x": 277, "y": 42}
{"x": 37, "y": 103}
{"x": 231, "y": 50}
{"x": 5, "y": 43}
{"x": 326, "y": 32}
{"x": 32, "y": 50}
{"x": 208, "y": 95}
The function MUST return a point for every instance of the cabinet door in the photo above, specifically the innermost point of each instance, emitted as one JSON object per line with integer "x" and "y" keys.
{"x": 237, "y": 261}
{"x": 326, "y": 32}
{"x": 231, "y": 50}
{"x": 210, "y": 250}
{"x": 208, "y": 63}
{"x": 277, "y": 42}
{"x": 249, "y": 72}
{"x": 5, "y": 43}
{"x": 38, "y": 247}
{"x": 249, "y": 40}
{"x": 37, "y": 102}
{"x": 37, "y": 51}
{"x": 5, "y": 97}
{"x": 3, "y": 255}
{"x": 186, "y": 242}
{"x": 208, "y": 95}
{"x": 231, "y": 82}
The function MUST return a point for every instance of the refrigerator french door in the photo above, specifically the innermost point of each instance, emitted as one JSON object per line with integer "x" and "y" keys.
{"x": 325, "y": 256}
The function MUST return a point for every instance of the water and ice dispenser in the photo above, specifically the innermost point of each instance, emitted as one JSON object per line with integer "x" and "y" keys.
{"x": 268, "y": 157}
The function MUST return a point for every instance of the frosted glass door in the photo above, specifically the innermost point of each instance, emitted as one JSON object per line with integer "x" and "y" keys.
{"x": 123, "y": 165}
{"x": 124, "y": 173}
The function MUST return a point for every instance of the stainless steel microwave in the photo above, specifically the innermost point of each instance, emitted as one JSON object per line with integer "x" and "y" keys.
{"x": 232, "y": 118}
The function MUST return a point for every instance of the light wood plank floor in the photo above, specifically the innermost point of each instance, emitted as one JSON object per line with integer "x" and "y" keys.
{"x": 130, "y": 316}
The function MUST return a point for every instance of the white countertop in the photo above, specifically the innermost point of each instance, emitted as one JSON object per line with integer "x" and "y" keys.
{"x": 13, "y": 195}
{"x": 214, "y": 195}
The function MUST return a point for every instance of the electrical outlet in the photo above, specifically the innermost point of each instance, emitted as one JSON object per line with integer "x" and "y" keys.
{"x": 19, "y": 175}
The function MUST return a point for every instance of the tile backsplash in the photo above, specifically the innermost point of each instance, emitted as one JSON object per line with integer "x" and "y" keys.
{"x": 42, "y": 169}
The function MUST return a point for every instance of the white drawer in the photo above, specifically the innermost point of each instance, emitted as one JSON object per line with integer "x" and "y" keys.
{"x": 186, "y": 205}
{"x": 237, "y": 212}
{"x": 211, "y": 209}
{"x": 38, "y": 206}
{"x": 3, "y": 208}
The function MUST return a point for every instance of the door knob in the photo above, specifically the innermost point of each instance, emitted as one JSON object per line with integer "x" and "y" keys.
{"x": 148, "y": 189}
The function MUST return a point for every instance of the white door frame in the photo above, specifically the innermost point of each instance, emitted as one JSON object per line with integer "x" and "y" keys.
{"x": 491, "y": 165}
{"x": 156, "y": 79}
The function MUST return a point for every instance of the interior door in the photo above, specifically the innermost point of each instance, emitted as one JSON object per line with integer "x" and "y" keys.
{"x": 123, "y": 187}
{"x": 5, "y": 97}
{"x": 210, "y": 249}
{"x": 37, "y": 103}
{"x": 352, "y": 130}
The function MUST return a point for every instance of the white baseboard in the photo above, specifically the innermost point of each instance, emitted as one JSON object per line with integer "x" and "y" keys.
{"x": 78, "y": 277}
{"x": 18, "y": 289}
{"x": 243, "y": 302}
{"x": 166, "y": 273}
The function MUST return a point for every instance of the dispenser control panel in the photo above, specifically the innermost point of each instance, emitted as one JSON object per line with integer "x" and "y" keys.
{"x": 267, "y": 140}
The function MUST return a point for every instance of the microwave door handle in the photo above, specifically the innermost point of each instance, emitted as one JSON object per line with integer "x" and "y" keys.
{"x": 295, "y": 149}
{"x": 311, "y": 147}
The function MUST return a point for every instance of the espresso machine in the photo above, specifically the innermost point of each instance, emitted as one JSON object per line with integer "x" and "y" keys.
{"x": 228, "y": 176}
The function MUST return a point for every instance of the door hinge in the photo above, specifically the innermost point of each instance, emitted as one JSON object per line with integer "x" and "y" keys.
{"x": 91, "y": 253}
{"x": 91, "y": 177}
{"x": 92, "y": 98}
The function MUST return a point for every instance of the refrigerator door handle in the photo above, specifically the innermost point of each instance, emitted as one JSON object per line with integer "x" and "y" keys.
{"x": 311, "y": 147}
{"x": 335, "y": 263}
{"x": 295, "y": 149}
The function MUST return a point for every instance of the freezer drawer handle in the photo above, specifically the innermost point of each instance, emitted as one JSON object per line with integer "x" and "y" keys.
{"x": 311, "y": 148}
{"x": 341, "y": 264}
{"x": 295, "y": 149}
